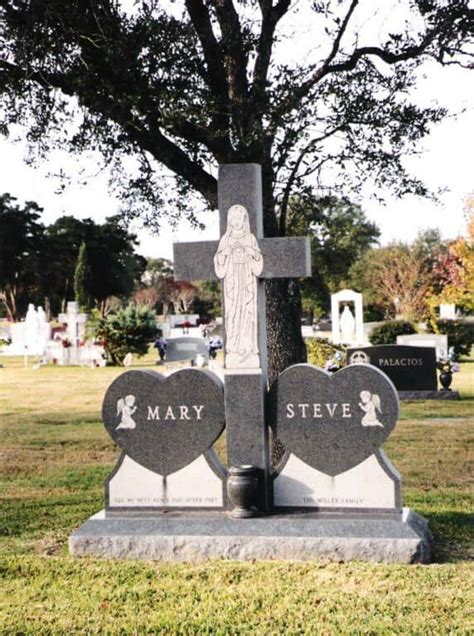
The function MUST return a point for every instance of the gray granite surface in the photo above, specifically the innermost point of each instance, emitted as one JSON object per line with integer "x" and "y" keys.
{"x": 164, "y": 423}
{"x": 389, "y": 538}
{"x": 333, "y": 422}
{"x": 283, "y": 257}
{"x": 429, "y": 395}
{"x": 247, "y": 435}
{"x": 409, "y": 368}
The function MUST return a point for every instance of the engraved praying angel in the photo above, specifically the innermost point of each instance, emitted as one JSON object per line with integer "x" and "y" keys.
{"x": 126, "y": 408}
{"x": 370, "y": 404}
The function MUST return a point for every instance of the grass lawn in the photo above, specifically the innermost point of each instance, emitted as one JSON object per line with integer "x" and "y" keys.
{"x": 54, "y": 455}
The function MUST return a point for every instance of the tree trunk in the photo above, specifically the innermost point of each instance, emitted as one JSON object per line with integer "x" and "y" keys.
{"x": 285, "y": 342}
{"x": 11, "y": 305}
{"x": 284, "y": 339}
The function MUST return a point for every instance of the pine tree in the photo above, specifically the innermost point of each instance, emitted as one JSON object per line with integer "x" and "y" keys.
{"x": 82, "y": 279}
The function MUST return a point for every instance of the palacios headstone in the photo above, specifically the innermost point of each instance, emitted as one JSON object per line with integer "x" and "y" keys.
{"x": 333, "y": 427}
{"x": 165, "y": 428}
{"x": 409, "y": 368}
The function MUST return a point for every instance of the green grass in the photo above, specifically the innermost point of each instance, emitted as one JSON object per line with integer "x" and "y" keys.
{"x": 55, "y": 454}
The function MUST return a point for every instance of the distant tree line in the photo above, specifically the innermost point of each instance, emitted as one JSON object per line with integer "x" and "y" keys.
{"x": 39, "y": 264}
{"x": 97, "y": 265}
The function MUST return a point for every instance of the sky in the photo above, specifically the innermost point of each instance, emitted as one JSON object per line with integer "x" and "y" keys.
{"x": 445, "y": 161}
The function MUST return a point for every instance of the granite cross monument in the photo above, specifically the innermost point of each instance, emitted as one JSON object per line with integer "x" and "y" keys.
{"x": 334, "y": 494}
{"x": 242, "y": 259}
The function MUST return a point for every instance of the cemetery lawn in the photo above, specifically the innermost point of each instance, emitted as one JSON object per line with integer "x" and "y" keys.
{"x": 55, "y": 455}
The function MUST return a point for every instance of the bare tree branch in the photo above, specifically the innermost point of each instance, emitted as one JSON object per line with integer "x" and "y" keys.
{"x": 389, "y": 57}
{"x": 270, "y": 18}
{"x": 342, "y": 30}
{"x": 235, "y": 58}
{"x": 201, "y": 20}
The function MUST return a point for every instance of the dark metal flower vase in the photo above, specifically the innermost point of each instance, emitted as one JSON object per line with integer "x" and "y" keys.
{"x": 445, "y": 377}
{"x": 242, "y": 489}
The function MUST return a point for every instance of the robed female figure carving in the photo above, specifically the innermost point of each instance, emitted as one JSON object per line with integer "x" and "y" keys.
{"x": 238, "y": 261}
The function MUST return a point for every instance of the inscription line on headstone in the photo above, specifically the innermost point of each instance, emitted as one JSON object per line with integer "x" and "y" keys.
{"x": 243, "y": 259}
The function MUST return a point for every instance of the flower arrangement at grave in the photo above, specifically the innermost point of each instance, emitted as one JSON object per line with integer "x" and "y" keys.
{"x": 446, "y": 362}
{"x": 447, "y": 365}
{"x": 336, "y": 362}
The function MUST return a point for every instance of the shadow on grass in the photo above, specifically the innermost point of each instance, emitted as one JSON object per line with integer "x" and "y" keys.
{"x": 34, "y": 520}
{"x": 31, "y": 519}
{"x": 453, "y": 536}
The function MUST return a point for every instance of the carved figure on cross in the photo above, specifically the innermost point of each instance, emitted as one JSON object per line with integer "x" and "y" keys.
{"x": 243, "y": 259}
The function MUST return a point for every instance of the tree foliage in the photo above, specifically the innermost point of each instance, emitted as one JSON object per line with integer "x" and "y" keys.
{"x": 21, "y": 243}
{"x": 39, "y": 264}
{"x": 454, "y": 269}
{"x": 394, "y": 279}
{"x": 129, "y": 330}
{"x": 339, "y": 233}
{"x": 184, "y": 86}
{"x": 387, "y": 333}
{"x": 82, "y": 279}
{"x": 113, "y": 262}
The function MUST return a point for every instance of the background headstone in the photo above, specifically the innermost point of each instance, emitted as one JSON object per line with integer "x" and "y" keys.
{"x": 409, "y": 368}
{"x": 447, "y": 311}
{"x": 30, "y": 337}
{"x": 186, "y": 348}
{"x": 75, "y": 322}
{"x": 438, "y": 341}
{"x": 338, "y": 318}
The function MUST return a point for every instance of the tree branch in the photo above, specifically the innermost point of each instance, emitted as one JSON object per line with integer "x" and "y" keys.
{"x": 154, "y": 141}
{"x": 270, "y": 18}
{"x": 389, "y": 57}
{"x": 201, "y": 21}
{"x": 235, "y": 59}
{"x": 342, "y": 30}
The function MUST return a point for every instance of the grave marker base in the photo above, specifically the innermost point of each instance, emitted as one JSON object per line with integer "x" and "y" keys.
{"x": 429, "y": 395}
{"x": 194, "y": 537}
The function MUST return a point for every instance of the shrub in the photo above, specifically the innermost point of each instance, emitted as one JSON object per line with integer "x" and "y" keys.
{"x": 128, "y": 330}
{"x": 460, "y": 335}
{"x": 320, "y": 351}
{"x": 388, "y": 332}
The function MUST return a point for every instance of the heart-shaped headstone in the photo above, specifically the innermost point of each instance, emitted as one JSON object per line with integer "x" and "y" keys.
{"x": 333, "y": 422}
{"x": 164, "y": 423}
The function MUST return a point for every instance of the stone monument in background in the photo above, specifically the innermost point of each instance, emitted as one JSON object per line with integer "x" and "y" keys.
{"x": 347, "y": 327}
{"x": 75, "y": 322}
{"x": 30, "y": 337}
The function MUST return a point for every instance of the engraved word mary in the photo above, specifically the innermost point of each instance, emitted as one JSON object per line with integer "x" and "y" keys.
{"x": 238, "y": 262}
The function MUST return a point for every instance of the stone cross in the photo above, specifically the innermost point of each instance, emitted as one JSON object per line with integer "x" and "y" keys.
{"x": 243, "y": 259}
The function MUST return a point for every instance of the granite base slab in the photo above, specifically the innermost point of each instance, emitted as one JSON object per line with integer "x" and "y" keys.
{"x": 429, "y": 395}
{"x": 193, "y": 537}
